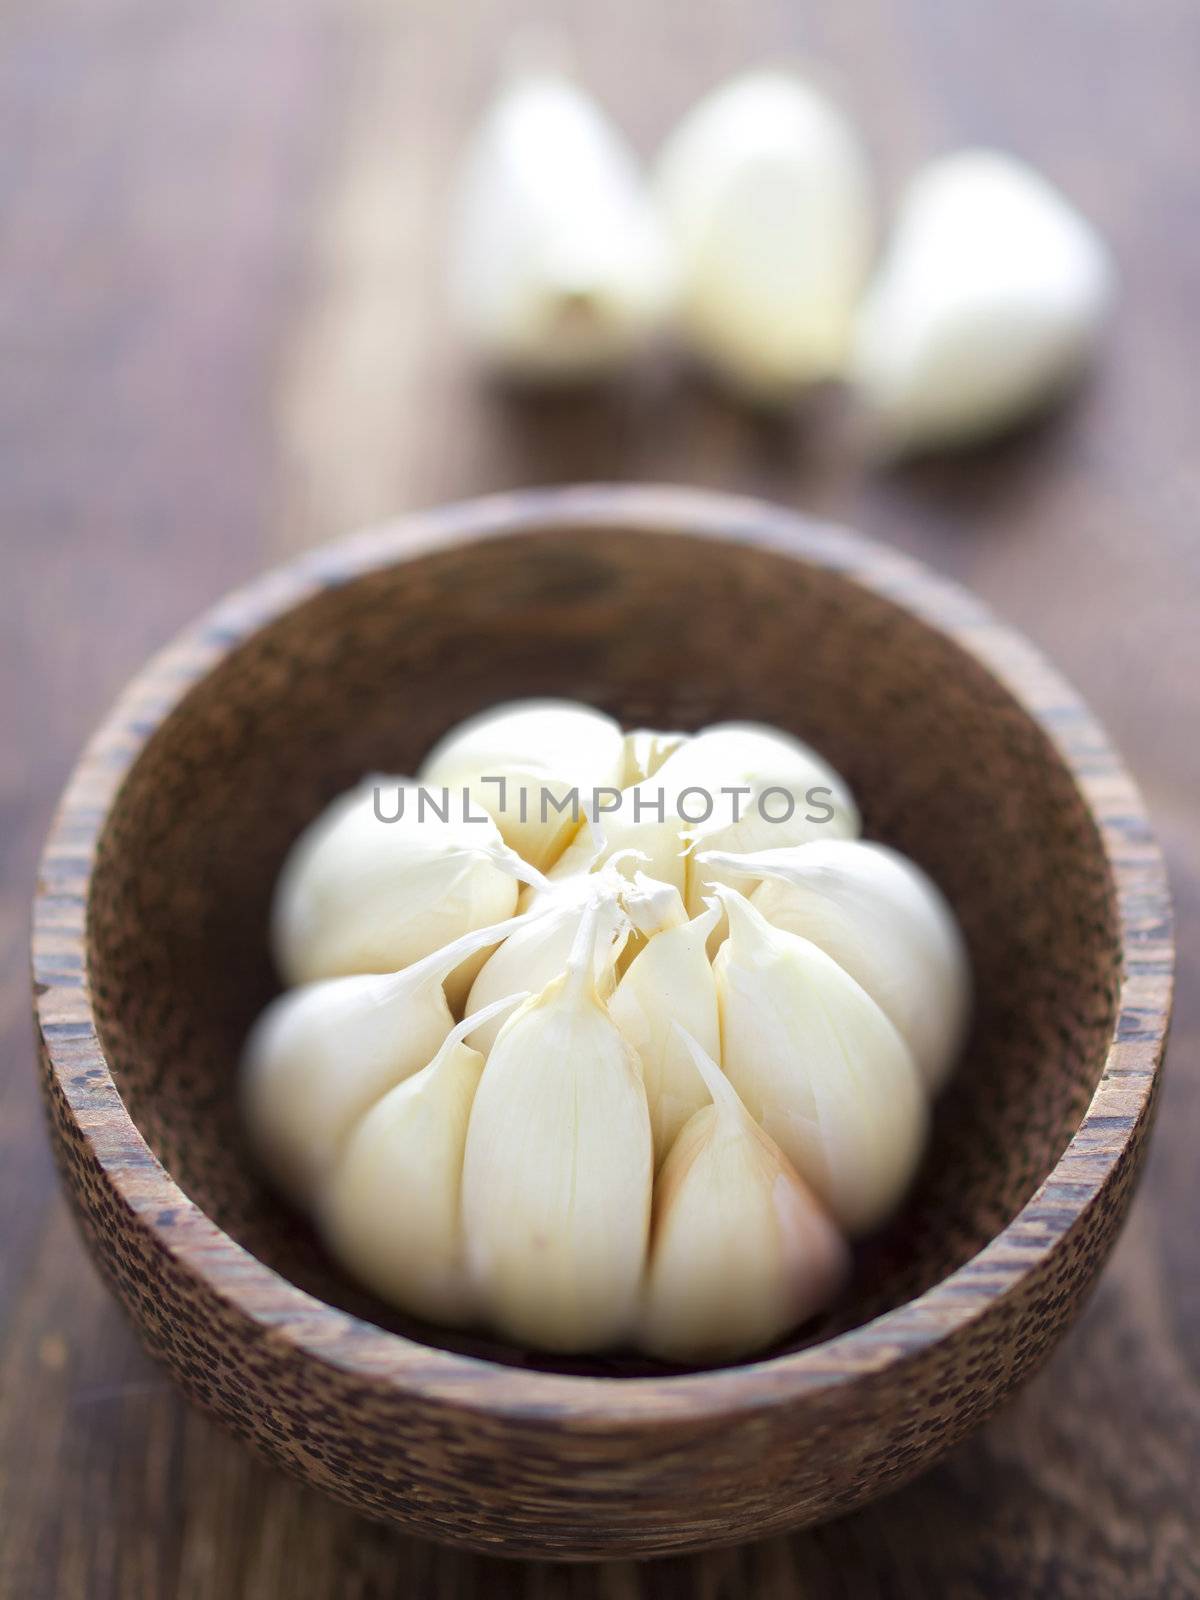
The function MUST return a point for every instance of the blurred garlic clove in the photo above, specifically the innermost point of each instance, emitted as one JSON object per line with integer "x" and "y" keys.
{"x": 645, "y": 751}
{"x": 885, "y": 922}
{"x": 525, "y": 763}
{"x": 379, "y": 881}
{"x": 669, "y": 986}
{"x": 741, "y": 1250}
{"x": 320, "y": 1056}
{"x": 788, "y": 795}
{"x": 819, "y": 1066}
{"x": 558, "y": 1169}
{"x": 766, "y": 196}
{"x": 391, "y": 1212}
{"x": 989, "y": 301}
{"x": 557, "y": 270}
{"x": 636, "y": 826}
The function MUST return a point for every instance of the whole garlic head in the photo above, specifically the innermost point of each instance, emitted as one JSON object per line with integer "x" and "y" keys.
{"x": 557, "y": 266}
{"x": 988, "y": 302}
{"x": 766, "y": 197}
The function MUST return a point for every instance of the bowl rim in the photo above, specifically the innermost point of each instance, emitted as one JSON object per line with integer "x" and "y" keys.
{"x": 1123, "y": 1098}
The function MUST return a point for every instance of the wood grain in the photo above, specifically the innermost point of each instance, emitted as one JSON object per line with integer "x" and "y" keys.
{"x": 170, "y": 182}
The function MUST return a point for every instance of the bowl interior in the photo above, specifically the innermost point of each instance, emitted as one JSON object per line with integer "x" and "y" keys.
{"x": 660, "y": 630}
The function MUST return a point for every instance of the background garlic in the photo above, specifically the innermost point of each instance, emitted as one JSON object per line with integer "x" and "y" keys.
{"x": 766, "y": 198}
{"x": 557, "y": 267}
{"x": 988, "y": 302}
{"x": 319, "y": 1056}
{"x": 558, "y": 1168}
{"x": 818, "y": 1066}
{"x": 882, "y": 920}
{"x": 532, "y": 745}
{"x": 357, "y": 894}
{"x": 741, "y": 1250}
{"x": 391, "y": 1210}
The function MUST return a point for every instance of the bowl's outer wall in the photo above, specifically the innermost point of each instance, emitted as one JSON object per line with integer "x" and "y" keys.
{"x": 1019, "y": 809}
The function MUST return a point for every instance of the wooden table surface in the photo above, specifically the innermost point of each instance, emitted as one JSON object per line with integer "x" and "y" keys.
{"x": 222, "y": 340}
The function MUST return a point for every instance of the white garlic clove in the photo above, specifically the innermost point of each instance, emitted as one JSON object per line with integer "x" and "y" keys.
{"x": 741, "y": 1251}
{"x": 558, "y": 1168}
{"x": 766, "y": 195}
{"x": 645, "y": 751}
{"x": 669, "y": 986}
{"x": 558, "y": 269}
{"x": 391, "y": 1211}
{"x": 538, "y": 952}
{"x": 362, "y": 893}
{"x": 885, "y": 922}
{"x": 533, "y": 765}
{"x": 819, "y": 1066}
{"x": 785, "y": 794}
{"x": 320, "y": 1056}
{"x": 988, "y": 303}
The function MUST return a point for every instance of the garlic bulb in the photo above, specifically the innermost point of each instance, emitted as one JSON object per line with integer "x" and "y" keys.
{"x": 319, "y": 1056}
{"x": 361, "y": 892}
{"x": 391, "y": 1211}
{"x": 819, "y": 1066}
{"x": 988, "y": 302}
{"x": 766, "y": 196}
{"x": 645, "y": 751}
{"x": 881, "y": 919}
{"x": 558, "y": 1168}
{"x": 741, "y": 1251}
{"x": 557, "y": 266}
{"x": 533, "y": 765}
{"x": 786, "y": 795}
{"x": 669, "y": 986}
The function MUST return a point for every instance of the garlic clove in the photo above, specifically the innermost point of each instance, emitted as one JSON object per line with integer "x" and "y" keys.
{"x": 988, "y": 303}
{"x": 320, "y": 1056}
{"x": 533, "y": 765}
{"x": 768, "y": 789}
{"x": 558, "y": 269}
{"x": 391, "y": 1210}
{"x": 669, "y": 986}
{"x": 882, "y": 920}
{"x": 741, "y": 1250}
{"x": 363, "y": 893}
{"x": 766, "y": 196}
{"x": 645, "y": 751}
{"x": 558, "y": 1167}
{"x": 538, "y": 952}
{"x": 819, "y": 1066}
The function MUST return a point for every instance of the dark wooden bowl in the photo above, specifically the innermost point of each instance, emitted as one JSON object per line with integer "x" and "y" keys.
{"x": 664, "y": 607}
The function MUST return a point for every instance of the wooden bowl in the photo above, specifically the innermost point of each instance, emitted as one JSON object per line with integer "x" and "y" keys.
{"x": 664, "y": 607}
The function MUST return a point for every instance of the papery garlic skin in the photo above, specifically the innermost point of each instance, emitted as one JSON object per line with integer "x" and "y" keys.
{"x": 645, "y": 751}
{"x": 819, "y": 1066}
{"x": 766, "y": 196}
{"x": 558, "y": 269}
{"x": 391, "y": 1209}
{"x": 557, "y": 1170}
{"x": 741, "y": 1250}
{"x": 669, "y": 987}
{"x": 882, "y": 920}
{"x": 989, "y": 301}
{"x": 320, "y": 1056}
{"x": 358, "y": 894}
{"x": 556, "y": 746}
